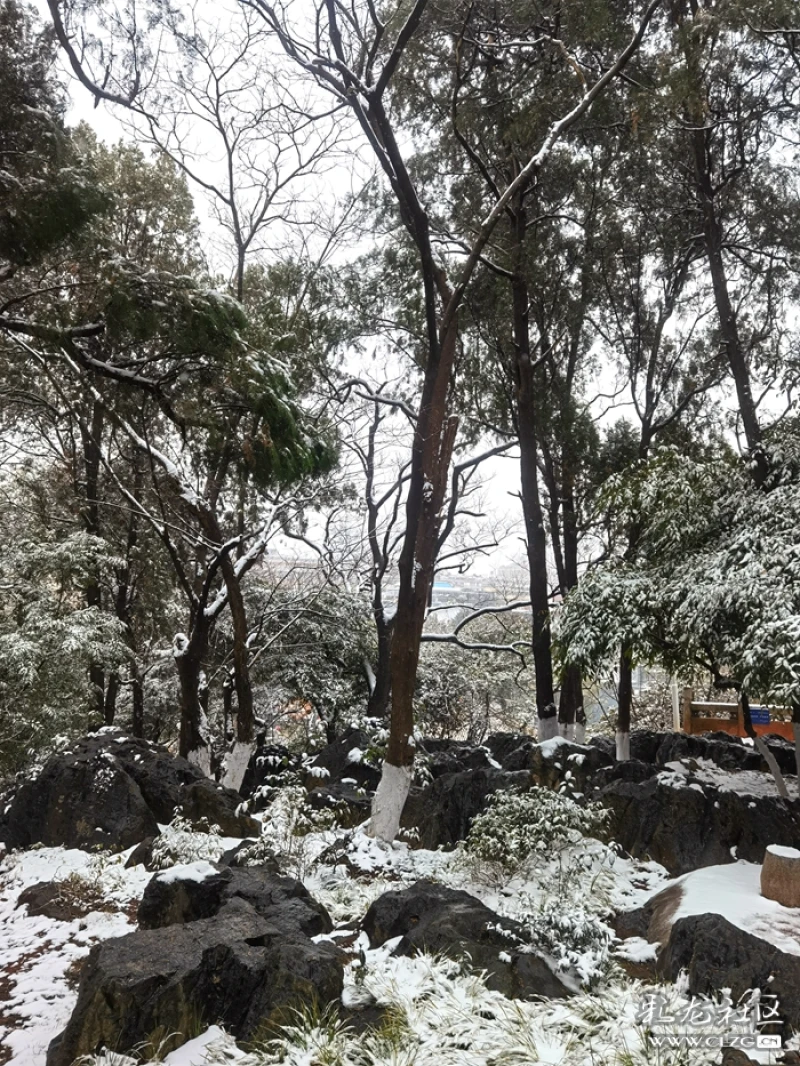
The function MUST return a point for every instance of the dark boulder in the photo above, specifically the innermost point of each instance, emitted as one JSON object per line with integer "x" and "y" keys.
{"x": 558, "y": 761}
{"x": 687, "y": 826}
{"x": 142, "y": 855}
{"x": 238, "y": 969}
{"x": 441, "y": 814}
{"x": 200, "y": 890}
{"x": 716, "y": 954}
{"x": 344, "y": 761}
{"x": 112, "y": 791}
{"x": 62, "y": 901}
{"x": 160, "y": 775}
{"x": 81, "y": 798}
{"x": 453, "y": 756}
{"x": 252, "y": 853}
{"x": 443, "y": 921}
{"x": 501, "y": 745}
{"x": 348, "y": 804}
{"x": 204, "y": 802}
{"x": 725, "y": 751}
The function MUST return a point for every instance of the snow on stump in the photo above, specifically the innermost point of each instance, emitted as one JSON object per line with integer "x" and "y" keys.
{"x": 780, "y": 875}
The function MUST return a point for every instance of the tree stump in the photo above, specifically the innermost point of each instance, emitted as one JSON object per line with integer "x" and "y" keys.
{"x": 780, "y": 875}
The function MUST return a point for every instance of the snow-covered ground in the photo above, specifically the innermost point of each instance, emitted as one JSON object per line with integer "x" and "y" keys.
{"x": 437, "y": 1013}
{"x": 38, "y": 955}
{"x": 734, "y": 891}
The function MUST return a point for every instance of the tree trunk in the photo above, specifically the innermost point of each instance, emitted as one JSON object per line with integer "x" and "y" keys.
{"x": 571, "y": 720}
{"x": 91, "y": 524}
{"x": 571, "y": 717}
{"x": 714, "y": 242}
{"x": 110, "y": 706}
{"x": 536, "y": 539}
{"x": 193, "y": 742}
{"x": 624, "y": 703}
{"x": 378, "y": 704}
{"x": 137, "y": 701}
{"x": 434, "y": 437}
{"x": 761, "y": 746}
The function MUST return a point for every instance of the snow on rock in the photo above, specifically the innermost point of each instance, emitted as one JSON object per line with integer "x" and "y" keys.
{"x": 734, "y": 892}
{"x": 190, "y": 871}
{"x": 637, "y": 949}
{"x": 705, "y": 772}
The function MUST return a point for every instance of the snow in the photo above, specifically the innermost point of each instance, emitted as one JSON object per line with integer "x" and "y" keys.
{"x": 449, "y": 1016}
{"x": 355, "y": 755}
{"x": 637, "y": 949}
{"x": 37, "y": 952}
{"x": 704, "y": 773}
{"x": 549, "y": 747}
{"x": 734, "y": 891}
{"x": 783, "y": 852}
{"x": 190, "y": 871}
{"x": 196, "y": 1052}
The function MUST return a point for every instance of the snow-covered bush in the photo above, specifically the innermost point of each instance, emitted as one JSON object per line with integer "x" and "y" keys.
{"x": 578, "y": 940}
{"x": 292, "y": 828}
{"x": 180, "y": 843}
{"x": 520, "y": 828}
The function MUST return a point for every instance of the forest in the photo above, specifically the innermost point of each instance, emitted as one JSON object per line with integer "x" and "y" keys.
{"x": 421, "y": 372}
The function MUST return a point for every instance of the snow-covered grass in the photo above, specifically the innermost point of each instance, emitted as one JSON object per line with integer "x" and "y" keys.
{"x": 39, "y": 956}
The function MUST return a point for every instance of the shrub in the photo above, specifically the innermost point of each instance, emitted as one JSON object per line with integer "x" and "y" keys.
{"x": 525, "y": 827}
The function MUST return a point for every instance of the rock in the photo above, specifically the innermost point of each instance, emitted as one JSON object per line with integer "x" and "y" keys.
{"x": 653, "y": 921}
{"x": 442, "y": 812}
{"x": 454, "y": 756}
{"x": 732, "y": 1056}
{"x": 111, "y": 791}
{"x": 716, "y": 954}
{"x": 238, "y": 969}
{"x": 142, "y": 855}
{"x": 200, "y": 890}
{"x": 725, "y": 751}
{"x": 206, "y": 802}
{"x": 629, "y": 770}
{"x": 160, "y": 775}
{"x": 344, "y": 760}
{"x": 430, "y": 917}
{"x": 780, "y": 875}
{"x": 252, "y": 853}
{"x": 502, "y": 745}
{"x": 61, "y": 900}
{"x": 350, "y": 805}
{"x": 558, "y": 760}
{"x": 688, "y": 826}
{"x": 80, "y": 799}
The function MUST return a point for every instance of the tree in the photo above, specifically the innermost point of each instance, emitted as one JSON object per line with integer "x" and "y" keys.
{"x": 715, "y": 583}
{"x": 145, "y": 360}
{"x": 355, "y": 56}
